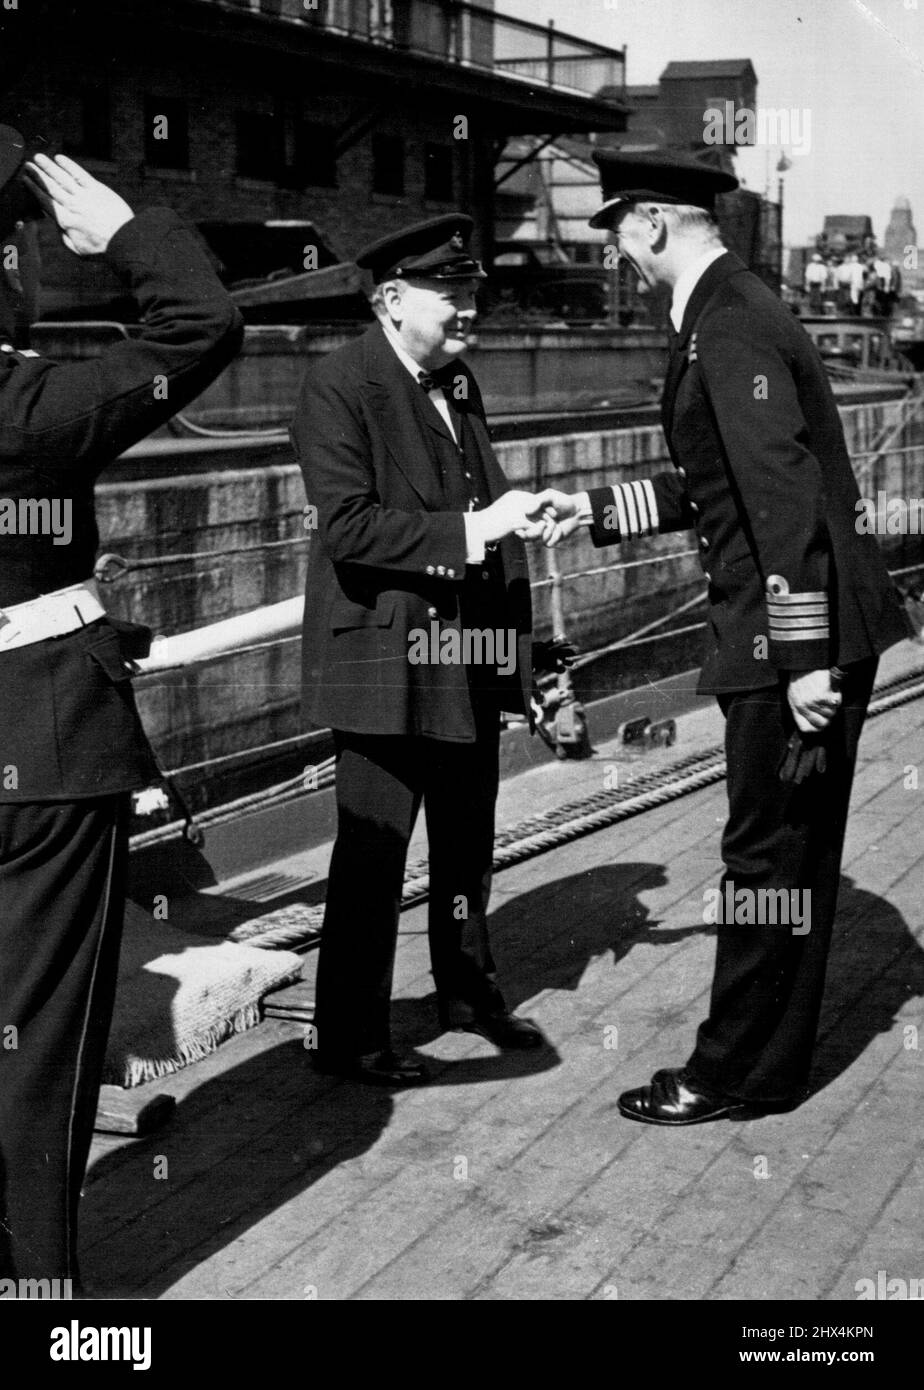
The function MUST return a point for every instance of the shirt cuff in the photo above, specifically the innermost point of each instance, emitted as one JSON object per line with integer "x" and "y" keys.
{"x": 474, "y": 543}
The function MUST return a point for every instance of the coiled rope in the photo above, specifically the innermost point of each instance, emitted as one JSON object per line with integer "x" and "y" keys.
{"x": 575, "y": 819}
{"x": 550, "y": 829}
{"x": 299, "y": 924}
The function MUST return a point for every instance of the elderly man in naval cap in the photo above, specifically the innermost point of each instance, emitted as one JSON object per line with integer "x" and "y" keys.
{"x": 415, "y": 547}
{"x": 799, "y": 607}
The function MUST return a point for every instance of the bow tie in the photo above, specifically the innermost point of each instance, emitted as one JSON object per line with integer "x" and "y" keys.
{"x": 440, "y": 379}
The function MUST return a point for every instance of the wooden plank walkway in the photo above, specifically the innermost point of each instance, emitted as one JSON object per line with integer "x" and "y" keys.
{"x": 514, "y": 1177}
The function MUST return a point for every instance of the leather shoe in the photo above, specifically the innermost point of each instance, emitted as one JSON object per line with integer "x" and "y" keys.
{"x": 384, "y": 1068}
{"x": 671, "y": 1099}
{"x": 505, "y": 1031}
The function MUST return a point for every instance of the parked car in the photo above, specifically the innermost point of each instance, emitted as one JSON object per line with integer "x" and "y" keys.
{"x": 534, "y": 281}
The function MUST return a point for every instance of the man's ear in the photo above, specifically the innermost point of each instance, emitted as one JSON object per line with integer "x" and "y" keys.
{"x": 392, "y": 295}
{"x": 657, "y": 231}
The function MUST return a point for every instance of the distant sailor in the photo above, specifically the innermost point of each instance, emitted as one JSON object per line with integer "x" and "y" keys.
{"x": 71, "y": 746}
{"x": 763, "y": 477}
{"x": 414, "y": 544}
{"x": 816, "y": 278}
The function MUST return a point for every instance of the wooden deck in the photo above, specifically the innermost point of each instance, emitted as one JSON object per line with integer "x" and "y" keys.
{"x": 514, "y": 1177}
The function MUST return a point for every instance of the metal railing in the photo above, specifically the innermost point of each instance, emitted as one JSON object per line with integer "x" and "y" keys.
{"x": 459, "y": 32}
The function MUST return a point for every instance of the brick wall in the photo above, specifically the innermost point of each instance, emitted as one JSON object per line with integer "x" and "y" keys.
{"x": 217, "y": 84}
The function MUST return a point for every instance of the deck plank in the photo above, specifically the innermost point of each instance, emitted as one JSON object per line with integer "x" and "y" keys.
{"x": 283, "y": 1185}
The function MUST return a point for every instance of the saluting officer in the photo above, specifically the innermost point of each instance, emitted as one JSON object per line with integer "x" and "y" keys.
{"x": 71, "y": 745}
{"x": 763, "y": 476}
{"x": 415, "y": 521}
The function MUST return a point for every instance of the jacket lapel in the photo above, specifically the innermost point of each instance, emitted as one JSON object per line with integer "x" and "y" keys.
{"x": 389, "y": 390}
{"x": 402, "y": 408}
{"x": 431, "y": 417}
{"x": 713, "y": 276}
{"x": 497, "y": 482}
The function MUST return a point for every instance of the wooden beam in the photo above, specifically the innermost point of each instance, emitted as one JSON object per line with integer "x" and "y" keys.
{"x": 132, "y": 1110}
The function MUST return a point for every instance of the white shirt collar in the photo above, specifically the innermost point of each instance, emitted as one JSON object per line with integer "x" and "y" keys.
{"x": 687, "y": 281}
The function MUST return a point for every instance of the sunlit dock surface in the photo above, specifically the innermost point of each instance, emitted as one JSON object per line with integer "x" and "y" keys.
{"x": 514, "y": 1176}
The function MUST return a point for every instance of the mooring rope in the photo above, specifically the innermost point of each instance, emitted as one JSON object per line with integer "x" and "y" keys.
{"x": 300, "y": 924}
{"x": 540, "y": 833}
{"x": 591, "y": 813}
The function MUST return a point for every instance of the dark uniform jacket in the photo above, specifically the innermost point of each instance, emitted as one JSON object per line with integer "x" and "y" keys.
{"x": 389, "y": 555}
{"x": 68, "y": 724}
{"x": 764, "y": 478}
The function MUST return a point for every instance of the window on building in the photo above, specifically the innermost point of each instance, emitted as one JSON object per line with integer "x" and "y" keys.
{"x": 388, "y": 164}
{"x": 91, "y": 135}
{"x": 256, "y": 145}
{"x": 166, "y": 133}
{"x": 315, "y": 155}
{"x": 438, "y": 173}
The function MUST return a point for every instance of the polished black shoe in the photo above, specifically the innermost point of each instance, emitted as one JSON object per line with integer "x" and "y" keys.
{"x": 385, "y": 1068}
{"x": 505, "y": 1031}
{"x": 671, "y": 1099}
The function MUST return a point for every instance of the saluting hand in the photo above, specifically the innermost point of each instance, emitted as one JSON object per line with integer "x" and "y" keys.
{"x": 88, "y": 213}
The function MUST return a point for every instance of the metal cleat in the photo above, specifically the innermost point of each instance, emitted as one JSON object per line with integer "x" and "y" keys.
{"x": 663, "y": 734}
{"x": 642, "y": 732}
{"x": 634, "y": 730}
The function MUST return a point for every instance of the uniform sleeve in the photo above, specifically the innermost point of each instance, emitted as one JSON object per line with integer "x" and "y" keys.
{"x": 643, "y": 507}
{"x": 73, "y": 418}
{"x": 334, "y": 453}
{"x": 776, "y": 480}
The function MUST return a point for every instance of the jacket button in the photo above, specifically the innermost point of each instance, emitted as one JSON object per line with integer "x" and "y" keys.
{"x": 432, "y": 613}
{"x": 441, "y": 569}
{"x": 450, "y": 574}
{"x": 431, "y": 569}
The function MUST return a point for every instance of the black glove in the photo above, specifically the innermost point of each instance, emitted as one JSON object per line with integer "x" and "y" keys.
{"x": 554, "y": 654}
{"x": 805, "y": 754}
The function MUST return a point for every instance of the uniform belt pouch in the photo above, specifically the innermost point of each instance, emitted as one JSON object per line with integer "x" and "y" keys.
{"x": 134, "y": 638}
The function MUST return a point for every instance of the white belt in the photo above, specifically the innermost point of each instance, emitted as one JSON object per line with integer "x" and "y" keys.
{"x": 51, "y": 615}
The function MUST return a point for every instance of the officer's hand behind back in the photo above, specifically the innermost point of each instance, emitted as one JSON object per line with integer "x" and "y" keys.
{"x": 87, "y": 212}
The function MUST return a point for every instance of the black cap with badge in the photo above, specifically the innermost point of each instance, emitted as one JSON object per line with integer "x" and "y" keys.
{"x": 432, "y": 250}
{"x": 17, "y": 202}
{"x": 657, "y": 176}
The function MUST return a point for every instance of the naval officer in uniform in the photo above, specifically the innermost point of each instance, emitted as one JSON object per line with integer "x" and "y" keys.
{"x": 762, "y": 475}
{"x": 415, "y": 536}
{"x": 71, "y": 746}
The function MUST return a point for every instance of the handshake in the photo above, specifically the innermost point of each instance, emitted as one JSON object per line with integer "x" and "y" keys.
{"x": 548, "y": 516}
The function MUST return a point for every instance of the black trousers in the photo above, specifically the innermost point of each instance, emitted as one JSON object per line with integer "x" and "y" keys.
{"x": 381, "y": 782}
{"x": 757, "y": 1042}
{"x": 62, "y": 894}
